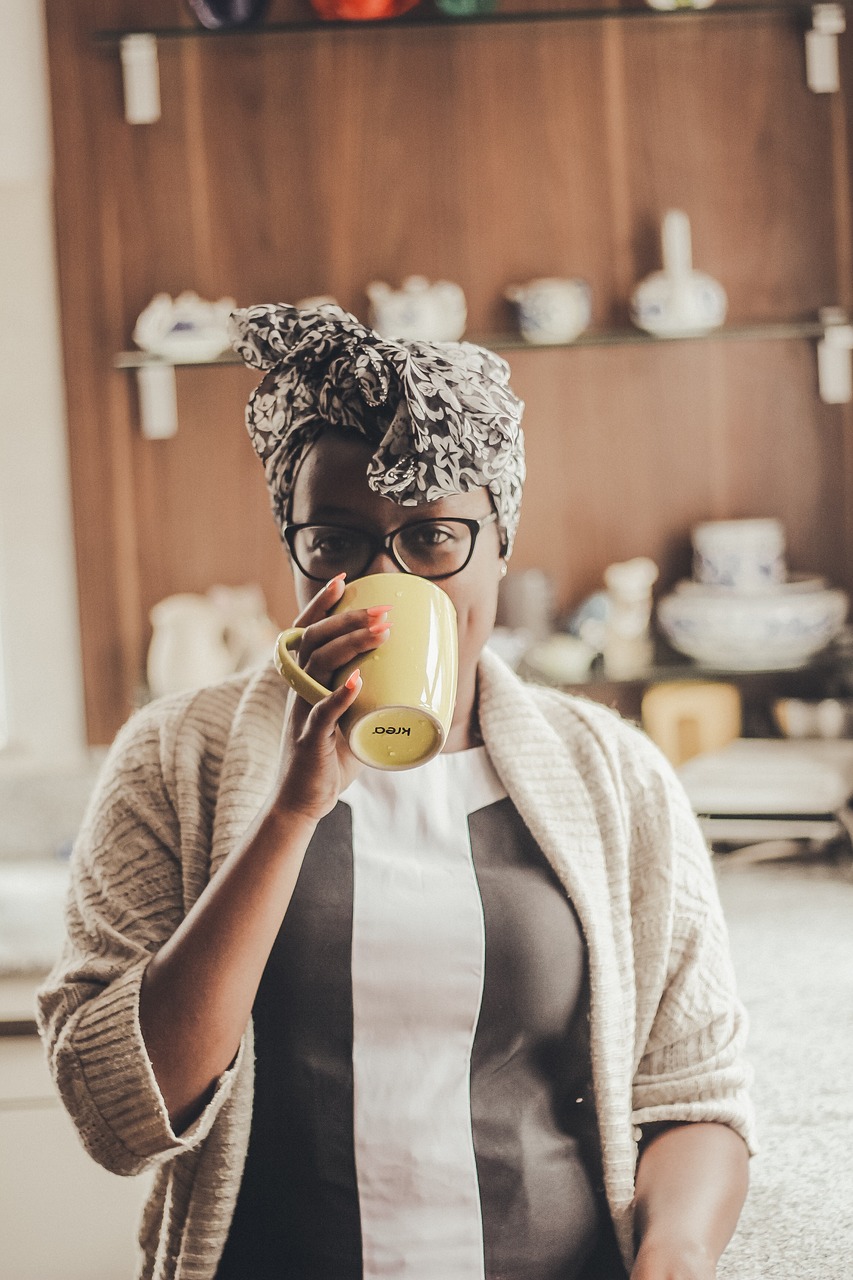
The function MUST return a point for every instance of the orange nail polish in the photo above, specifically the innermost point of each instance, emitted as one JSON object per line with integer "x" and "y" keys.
{"x": 353, "y": 679}
{"x": 376, "y": 628}
{"x": 376, "y": 609}
{"x": 336, "y": 578}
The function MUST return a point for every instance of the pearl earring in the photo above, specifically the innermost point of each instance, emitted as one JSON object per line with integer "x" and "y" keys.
{"x": 503, "y": 568}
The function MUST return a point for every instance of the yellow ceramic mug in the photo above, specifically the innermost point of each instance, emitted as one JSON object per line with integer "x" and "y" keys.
{"x": 403, "y": 711}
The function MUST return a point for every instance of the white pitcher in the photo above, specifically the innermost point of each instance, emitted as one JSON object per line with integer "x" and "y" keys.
{"x": 188, "y": 647}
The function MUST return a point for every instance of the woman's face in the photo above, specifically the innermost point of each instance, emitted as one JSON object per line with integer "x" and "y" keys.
{"x": 331, "y": 487}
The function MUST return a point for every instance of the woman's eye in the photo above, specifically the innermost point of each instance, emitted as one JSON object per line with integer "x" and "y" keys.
{"x": 434, "y": 535}
{"x": 331, "y": 544}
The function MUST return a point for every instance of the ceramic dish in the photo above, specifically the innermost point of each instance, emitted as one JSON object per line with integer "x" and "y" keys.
{"x": 761, "y": 632}
{"x": 184, "y": 328}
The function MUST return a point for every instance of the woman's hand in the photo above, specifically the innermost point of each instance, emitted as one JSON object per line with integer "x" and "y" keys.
{"x": 317, "y": 765}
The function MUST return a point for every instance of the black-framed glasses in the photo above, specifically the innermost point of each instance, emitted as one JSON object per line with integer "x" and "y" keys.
{"x": 433, "y": 549}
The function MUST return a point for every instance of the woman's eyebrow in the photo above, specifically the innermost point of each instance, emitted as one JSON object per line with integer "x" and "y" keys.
{"x": 340, "y": 515}
{"x": 327, "y": 513}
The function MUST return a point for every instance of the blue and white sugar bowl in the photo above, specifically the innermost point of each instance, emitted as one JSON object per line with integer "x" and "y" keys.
{"x": 551, "y": 309}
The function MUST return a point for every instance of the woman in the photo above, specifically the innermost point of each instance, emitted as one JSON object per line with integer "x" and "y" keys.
{"x": 476, "y": 988}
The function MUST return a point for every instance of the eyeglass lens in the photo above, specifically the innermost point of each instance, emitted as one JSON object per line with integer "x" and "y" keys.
{"x": 429, "y": 548}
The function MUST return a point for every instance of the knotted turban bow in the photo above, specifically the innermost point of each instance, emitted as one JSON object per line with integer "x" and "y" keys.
{"x": 441, "y": 414}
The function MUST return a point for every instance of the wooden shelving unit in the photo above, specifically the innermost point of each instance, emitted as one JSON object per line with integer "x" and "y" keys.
{"x": 304, "y": 158}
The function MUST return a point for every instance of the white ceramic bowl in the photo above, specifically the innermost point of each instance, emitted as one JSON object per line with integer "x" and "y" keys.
{"x": 766, "y": 631}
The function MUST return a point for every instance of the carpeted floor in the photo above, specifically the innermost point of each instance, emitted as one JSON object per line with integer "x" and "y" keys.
{"x": 791, "y": 926}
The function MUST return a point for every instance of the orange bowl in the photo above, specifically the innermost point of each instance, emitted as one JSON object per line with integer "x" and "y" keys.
{"x": 361, "y": 10}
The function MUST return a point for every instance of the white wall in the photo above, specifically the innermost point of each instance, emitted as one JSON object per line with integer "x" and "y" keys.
{"x": 39, "y": 632}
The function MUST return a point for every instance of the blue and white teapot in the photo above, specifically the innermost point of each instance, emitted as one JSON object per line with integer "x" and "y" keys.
{"x": 418, "y": 310}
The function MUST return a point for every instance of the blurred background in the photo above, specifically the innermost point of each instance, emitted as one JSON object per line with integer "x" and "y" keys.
{"x": 488, "y": 147}
{"x": 286, "y": 165}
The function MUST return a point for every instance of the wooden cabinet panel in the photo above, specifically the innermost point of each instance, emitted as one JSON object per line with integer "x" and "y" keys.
{"x": 721, "y": 123}
{"x": 202, "y": 500}
{"x": 623, "y": 467}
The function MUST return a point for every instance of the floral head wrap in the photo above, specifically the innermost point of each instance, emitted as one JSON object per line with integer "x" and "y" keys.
{"x": 441, "y": 415}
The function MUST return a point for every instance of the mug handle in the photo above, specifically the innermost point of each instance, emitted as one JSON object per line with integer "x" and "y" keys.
{"x": 286, "y": 665}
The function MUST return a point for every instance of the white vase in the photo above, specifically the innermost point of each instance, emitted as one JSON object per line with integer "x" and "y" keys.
{"x": 678, "y": 300}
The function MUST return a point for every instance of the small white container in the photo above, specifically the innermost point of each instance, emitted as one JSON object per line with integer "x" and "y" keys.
{"x": 740, "y": 555}
{"x": 184, "y": 328}
{"x": 552, "y": 309}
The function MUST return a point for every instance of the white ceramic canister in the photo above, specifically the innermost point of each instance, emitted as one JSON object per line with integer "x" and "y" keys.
{"x": 740, "y": 555}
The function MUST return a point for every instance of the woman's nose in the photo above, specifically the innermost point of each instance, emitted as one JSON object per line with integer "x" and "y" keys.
{"x": 382, "y": 563}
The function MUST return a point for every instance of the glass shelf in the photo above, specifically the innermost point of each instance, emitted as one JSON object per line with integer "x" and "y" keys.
{"x": 834, "y": 662}
{"x": 427, "y": 15}
{"x": 144, "y": 360}
{"x": 761, "y": 332}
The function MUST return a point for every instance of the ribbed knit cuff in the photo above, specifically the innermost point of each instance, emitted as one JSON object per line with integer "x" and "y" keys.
{"x": 106, "y": 1052}
{"x": 735, "y": 1110}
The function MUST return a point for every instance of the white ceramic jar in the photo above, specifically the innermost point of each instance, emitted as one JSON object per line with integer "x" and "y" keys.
{"x": 741, "y": 555}
{"x": 188, "y": 647}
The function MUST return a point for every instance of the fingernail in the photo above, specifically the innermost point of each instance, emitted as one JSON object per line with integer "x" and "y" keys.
{"x": 376, "y": 609}
{"x": 336, "y": 578}
{"x": 354, "y": 679}
{"x": 376, "y": 628}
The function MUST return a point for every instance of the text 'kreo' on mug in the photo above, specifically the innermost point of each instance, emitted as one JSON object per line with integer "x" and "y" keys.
{"x": 402, "y": 715}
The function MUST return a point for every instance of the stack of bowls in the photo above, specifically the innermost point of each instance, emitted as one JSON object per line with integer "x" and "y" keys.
{"x": 742, "y": 610}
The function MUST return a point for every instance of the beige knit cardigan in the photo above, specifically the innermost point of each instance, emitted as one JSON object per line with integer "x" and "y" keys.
{"x": 183, "y": 782}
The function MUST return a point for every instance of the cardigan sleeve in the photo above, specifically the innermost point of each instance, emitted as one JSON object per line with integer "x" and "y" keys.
{"x": 127, "y": 896}
{"x": 691, "y": 1062}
